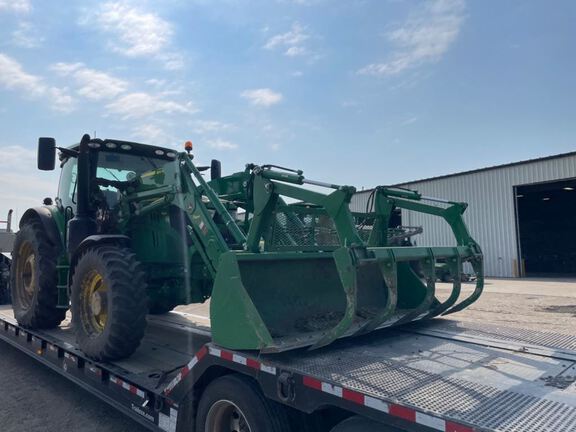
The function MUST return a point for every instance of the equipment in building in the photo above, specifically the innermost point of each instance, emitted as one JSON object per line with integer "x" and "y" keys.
{"x": 137, "y": 229}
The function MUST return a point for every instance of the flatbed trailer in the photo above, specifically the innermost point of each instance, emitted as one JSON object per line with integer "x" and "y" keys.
{"x": 440, "y": 375}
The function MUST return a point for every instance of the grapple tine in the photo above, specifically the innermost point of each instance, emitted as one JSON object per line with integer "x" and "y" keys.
{"x": 478, "y": 268}
{"x": 346, "y": 264}
{"x": 455, "y": 268}
{"x": 429, "y": 270}
{"x": 389, "y": 270}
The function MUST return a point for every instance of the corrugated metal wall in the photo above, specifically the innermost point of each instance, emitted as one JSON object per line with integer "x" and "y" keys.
{"x": 490, "y": 215}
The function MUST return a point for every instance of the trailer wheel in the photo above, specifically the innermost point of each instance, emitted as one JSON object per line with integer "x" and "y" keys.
{"x": 360, "y": 424}
{"x": 234, "y": 403}
{"x": 33, "y": 279}
{"x": 109, "y": 302}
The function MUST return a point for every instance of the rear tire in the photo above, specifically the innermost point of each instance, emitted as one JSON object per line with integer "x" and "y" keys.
{"x": 109, "y": 302}
{"x": 234, "y": 403}
{"x": 33, "y": 279}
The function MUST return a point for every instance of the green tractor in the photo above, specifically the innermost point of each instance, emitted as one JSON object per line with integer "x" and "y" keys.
{"x": 136, "y": 229}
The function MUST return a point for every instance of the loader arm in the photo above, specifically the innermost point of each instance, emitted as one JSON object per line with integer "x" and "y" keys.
{"x": 366, "y": 284}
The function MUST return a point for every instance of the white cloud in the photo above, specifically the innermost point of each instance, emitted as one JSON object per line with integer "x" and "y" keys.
{"x": 92, "y": 84}
{"x": 136, "y": 33}
{"x": 262, "y": 97}
{"x": 26, "y": 36}
{"x": 171, "y": 60}
{"x": 150, "y": 133}
{"x": 20, "y": 6}
{"x": 292, "y": 42}
{"x": 408, "y": 121}
{"x": 424, "y": 38}
{"x": 139, "y": 105}
{"x": 14, "y": 77}
{"x": 14, "y": 156}
{"x": 220, "y": 144}
{"x": 202, "y": 127}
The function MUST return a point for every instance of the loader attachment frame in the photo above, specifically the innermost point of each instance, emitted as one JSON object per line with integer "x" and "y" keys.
{"x": 370, "y": 284}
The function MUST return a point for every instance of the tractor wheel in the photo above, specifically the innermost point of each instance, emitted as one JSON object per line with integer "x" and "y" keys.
{"x": 234, "y": 403}
{"x": 109, "y": 302}
{"x": 33, "y": 279}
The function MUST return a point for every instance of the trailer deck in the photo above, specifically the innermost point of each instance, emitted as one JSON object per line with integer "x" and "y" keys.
{"x": 441, "y": 375}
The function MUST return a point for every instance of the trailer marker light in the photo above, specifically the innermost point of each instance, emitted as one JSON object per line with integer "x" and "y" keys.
{"x": 568, "y": 188}
{"x": 126, "y": 147}
{"x": 111, "y": 145}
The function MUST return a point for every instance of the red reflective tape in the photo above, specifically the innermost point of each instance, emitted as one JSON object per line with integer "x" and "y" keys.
{"x": 403, "y": 413}
{"x": 185, "y": 371}
{"x": 353, "y": 396}
{"x": 226, "y": 355}
{"x": 133, "y": 390}
{"x": 251, "y": 363}
{"x": 202, "y": 353}
{"x": 454, "y": 427}
{"x": 312, "y": 383}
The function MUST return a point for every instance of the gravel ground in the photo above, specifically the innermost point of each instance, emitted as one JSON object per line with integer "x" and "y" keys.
{"x": 36, "y": 399}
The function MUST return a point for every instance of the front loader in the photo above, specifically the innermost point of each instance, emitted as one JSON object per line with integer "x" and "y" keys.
{"x": 137, "y": 229}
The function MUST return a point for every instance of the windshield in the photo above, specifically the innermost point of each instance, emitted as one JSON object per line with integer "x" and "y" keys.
{"x": 123, "y": 167}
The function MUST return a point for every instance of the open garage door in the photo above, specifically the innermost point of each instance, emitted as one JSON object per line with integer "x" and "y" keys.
{"x": 546, "y": 221}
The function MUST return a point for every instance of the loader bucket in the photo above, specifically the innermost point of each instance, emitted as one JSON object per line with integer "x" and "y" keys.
{"x": 280, "y": 301}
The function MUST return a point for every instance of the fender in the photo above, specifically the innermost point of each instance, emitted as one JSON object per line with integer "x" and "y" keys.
{"x": 95, "y": 240}
{"x": 52, "y": 221}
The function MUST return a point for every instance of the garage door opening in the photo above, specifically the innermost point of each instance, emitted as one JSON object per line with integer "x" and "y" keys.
{"x": 546, "y": 221}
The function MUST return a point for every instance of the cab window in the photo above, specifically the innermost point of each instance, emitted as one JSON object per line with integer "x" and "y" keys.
{"x": 67, "y": 186}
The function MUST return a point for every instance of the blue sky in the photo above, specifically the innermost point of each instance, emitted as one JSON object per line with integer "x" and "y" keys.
{"x": 351, "y": 91}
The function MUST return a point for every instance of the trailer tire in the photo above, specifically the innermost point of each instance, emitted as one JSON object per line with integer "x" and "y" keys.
{"x": 239, "y": 398}
{"x": 109, "y": 302}
{"x": 360, "y": 424}
{"x": 33, "y": 279}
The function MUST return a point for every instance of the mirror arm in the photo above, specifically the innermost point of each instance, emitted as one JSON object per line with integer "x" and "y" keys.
{"x": 68, "y": 152}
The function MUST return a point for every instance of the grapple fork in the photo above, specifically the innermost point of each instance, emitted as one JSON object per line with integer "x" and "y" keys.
{"x": 307, "y": 277}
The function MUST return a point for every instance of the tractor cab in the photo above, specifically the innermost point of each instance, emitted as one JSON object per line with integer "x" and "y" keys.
{"x": 114, "y": 166}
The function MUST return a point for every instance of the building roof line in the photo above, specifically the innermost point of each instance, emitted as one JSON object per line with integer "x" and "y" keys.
{"x": 489, "y": 168}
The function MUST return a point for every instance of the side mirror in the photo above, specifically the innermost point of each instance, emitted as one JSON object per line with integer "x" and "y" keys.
{"x": 215, "y": 170}
{"x": 46, "y": 154}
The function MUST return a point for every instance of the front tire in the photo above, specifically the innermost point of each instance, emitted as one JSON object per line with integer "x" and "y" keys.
{"x": 33, "y": 279}
{"x": 234, "y": 403}
{"x": 109, "y": 302}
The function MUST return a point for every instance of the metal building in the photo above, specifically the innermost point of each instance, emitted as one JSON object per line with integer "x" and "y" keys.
{"x": 522, "y": 214}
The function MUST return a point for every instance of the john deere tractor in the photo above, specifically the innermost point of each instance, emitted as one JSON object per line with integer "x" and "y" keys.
{"x": 137, "y": 229}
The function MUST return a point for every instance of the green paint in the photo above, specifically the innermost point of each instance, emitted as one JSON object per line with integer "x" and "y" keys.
{"x": 284, "y": 274}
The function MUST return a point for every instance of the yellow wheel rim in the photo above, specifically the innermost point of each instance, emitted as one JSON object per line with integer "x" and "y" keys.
{"x": 94, "y": 302}
{"x": 26, "y": 273}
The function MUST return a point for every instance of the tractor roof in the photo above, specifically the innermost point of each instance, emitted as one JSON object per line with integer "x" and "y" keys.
{"x": 119, "y": 146}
